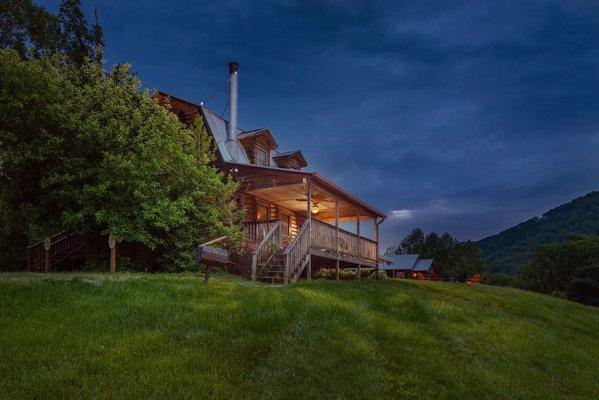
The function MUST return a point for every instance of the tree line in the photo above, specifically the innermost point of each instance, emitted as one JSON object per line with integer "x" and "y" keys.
{"x": 453, "y": 259}
{"x": 569, "y": 269}
{"x": 88, "y": 150}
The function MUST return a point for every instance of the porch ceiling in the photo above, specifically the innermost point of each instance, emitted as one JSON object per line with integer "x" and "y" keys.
{"x": 287, "y": 185}
{"x": 294, "y": 197}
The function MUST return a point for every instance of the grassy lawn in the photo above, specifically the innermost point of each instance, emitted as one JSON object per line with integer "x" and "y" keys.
{"x": 168, "y": 336}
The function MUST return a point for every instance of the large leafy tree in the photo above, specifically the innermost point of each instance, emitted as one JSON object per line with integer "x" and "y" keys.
{"x": 92, "y": 152}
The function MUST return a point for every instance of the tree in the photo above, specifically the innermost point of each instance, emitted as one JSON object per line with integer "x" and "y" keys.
{"x": 411, "y": 244}
{"x": 567, "y": 268}
{"x": 34, "y": 32}
{"x": 26, "y": 27}
{"x": 79, "y": 41}
{"x": 92, "y": 152}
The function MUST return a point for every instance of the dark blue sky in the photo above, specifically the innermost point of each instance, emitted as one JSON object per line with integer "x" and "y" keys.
{"x": 465, "y": 117}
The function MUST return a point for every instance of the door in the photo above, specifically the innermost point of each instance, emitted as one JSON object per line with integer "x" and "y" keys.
{"x": 285, "y": 229}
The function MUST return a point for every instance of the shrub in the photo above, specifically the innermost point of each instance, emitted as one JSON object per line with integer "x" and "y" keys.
{"x": 381, "y": 274}
{"x": 500, "y": 279}
{"x": 347, "y": 274}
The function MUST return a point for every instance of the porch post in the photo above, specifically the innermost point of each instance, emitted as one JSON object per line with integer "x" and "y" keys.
{"x": 376, "y": 239}
{"x": 359, "y": 249}
{"x": 337, "y": 236}
{"x": 309, "y": 215}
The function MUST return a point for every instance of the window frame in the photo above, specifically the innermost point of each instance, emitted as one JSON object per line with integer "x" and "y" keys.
{"x": 266, "y": 156}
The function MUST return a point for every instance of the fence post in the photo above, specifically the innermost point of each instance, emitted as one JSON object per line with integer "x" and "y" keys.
{"x": 254, "y": 266}
{"x": 112, "y": 246}
{"x": 286, "y": 271}
{"x": 47, "y": 246}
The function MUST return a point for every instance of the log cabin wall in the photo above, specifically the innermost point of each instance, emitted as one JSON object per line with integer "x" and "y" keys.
{"x": 251, "y": 204}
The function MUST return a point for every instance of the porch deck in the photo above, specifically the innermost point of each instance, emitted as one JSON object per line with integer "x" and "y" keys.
{"x": 265, "y": 240}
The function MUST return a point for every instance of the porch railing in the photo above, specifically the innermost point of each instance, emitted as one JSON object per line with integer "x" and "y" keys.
{"x": 256, "y": 231}
{"x": 296, "y": 254}
{"x": 350, "y": 245}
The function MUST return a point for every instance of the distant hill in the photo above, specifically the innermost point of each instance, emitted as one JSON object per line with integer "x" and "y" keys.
{"x": 507, "y": 250}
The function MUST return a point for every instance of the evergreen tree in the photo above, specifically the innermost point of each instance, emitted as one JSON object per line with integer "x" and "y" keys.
{"x": 77, "y": 38}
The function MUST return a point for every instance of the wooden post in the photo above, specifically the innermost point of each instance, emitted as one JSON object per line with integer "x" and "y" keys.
{"x": 337, "y": 235}
{"x": 47, "y": 246}
{"x": 376, "y": 239}
{"x": 207, "y": 273}
{"x": 359, "y": 248}
{"x": 309, "y": 214}
{"x": 254, "y": 266}
{"x": 112, "y": 246}
{"x": 29, "y": 260}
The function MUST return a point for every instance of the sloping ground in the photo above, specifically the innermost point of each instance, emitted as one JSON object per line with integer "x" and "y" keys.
{"x": 167, "y": 336}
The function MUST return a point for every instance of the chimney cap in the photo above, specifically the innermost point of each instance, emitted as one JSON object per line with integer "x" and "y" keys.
{"x": 233, "y": 65}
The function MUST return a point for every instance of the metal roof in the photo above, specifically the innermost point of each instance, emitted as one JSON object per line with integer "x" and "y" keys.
{"x": 402, "y": 261}
{"x": 229, "y": 151}
{"x": 423, "y": 265}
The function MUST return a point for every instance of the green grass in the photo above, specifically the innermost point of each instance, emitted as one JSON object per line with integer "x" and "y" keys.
{"x": 168, "y": 336}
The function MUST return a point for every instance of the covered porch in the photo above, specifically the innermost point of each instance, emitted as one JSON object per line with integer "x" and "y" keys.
{"x": 317, "y": 223}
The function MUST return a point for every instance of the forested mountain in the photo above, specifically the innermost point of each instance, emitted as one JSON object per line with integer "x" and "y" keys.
{"x": 507, "y": 250}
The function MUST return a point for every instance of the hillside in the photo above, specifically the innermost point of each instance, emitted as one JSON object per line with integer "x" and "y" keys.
{"x": 168, "y": 336}
{"x": 507, "y": 250}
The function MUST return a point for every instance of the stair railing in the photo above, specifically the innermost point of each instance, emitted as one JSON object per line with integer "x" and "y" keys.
{"x": 62, "y": 245}
{"x": 267, "y": 248}
{"x": 296, "y": 252}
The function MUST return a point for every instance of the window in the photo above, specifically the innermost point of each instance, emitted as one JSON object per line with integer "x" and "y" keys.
{"x": 261, "y": 157}
{"x": 261, "y": 212}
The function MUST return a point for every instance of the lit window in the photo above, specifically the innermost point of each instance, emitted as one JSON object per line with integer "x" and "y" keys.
{"x": 261, "y": 212}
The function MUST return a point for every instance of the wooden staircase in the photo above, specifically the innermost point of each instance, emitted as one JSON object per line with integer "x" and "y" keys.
{"x": 274, "y": 271}
{"x": 278, "y": 261}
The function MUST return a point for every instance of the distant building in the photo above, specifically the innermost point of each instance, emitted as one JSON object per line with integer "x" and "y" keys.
{"x": 409, "y": 266}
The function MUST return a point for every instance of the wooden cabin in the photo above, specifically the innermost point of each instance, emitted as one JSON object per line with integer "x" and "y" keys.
{"x": 410, "y": 266}
{"x": 292, "y": 216}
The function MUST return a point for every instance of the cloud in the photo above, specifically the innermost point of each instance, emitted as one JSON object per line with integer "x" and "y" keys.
{"x": 402, "y": 214}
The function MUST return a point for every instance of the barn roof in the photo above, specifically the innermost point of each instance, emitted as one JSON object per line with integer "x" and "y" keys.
{"x": 402, "y": 261}
{"x": 423, "y": 265}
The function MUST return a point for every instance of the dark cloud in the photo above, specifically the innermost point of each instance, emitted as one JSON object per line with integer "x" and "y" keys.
{"x": 464, "y": 117}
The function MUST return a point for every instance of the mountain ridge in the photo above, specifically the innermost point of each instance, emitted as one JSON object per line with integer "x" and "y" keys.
{"x": 510, "y": 248}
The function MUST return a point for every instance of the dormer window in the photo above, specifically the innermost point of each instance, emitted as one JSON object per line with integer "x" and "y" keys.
{"x": 261, "y": 157}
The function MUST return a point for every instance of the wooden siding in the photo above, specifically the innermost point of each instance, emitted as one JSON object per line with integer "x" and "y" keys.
{"x": 250, "y": 203}
{"x": 251, "y": 144}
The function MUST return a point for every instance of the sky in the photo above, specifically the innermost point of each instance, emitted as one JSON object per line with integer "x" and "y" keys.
{"x": 459, "y": 117}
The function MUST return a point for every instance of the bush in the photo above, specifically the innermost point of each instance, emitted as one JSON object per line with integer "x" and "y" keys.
{"x": 500, "y": 279}
{"x": 327, "y": 273}
{"x": 381, "y": 274}
{"x": 347, "y": 274}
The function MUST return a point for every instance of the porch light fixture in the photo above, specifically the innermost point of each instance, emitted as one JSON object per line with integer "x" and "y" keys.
{"x": 315, "y": 209}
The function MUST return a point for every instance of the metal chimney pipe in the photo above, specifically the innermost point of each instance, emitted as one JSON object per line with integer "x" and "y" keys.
{"x": 232, "y": 132}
